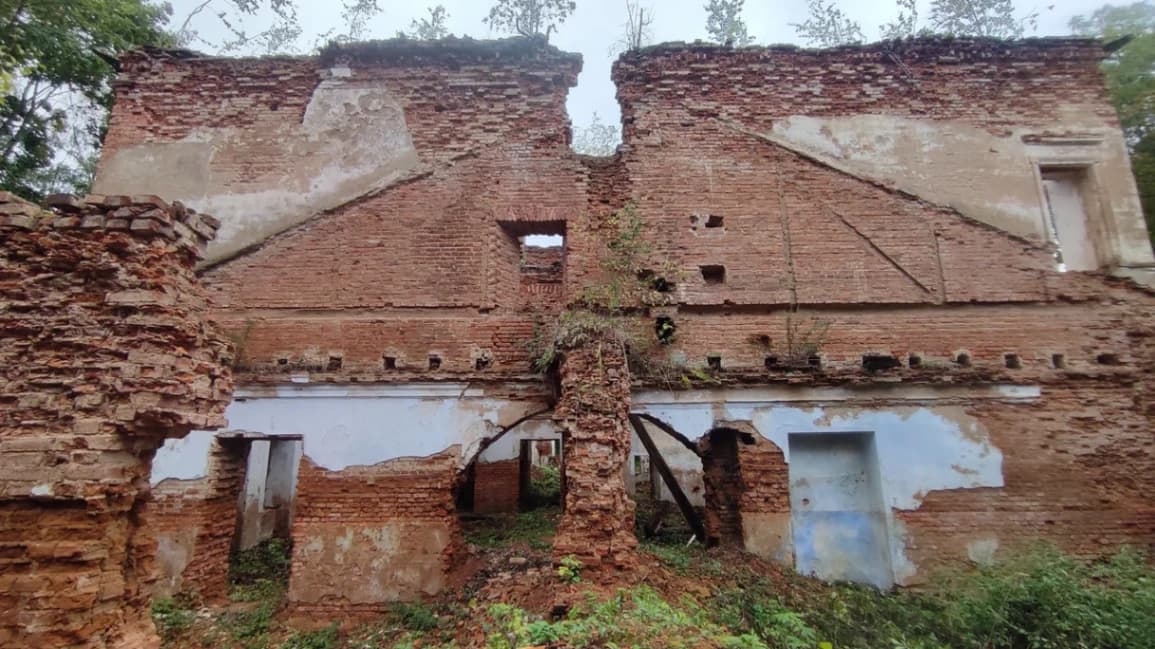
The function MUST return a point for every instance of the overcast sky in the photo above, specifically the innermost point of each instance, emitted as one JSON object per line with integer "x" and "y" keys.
{"x": 597, "y": 25}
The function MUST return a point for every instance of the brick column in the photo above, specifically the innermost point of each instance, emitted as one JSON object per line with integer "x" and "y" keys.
{"x": 106, "y": 352}
{"x": 597, "y": 525}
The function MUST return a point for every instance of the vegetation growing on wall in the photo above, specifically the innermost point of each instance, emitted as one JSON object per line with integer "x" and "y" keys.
{"x": 607, "y": 311}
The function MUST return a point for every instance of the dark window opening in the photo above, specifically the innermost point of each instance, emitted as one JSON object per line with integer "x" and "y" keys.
{"x": 963, "y": 359}
{"x": 665, "y": 329}
{"x": 771, "y": 362}
{"x": 714, "y": 221}
{"x": 713, "y": 274}
{"x": 879, "y": 362}
{"x": 1108, "y": 359}
{"x": 914, "y": 360}
{"x": 390, "y": 362}
{"x": 1012, "y": 361}
{"x": 714, "y": 362}
{"x": 1058, "y": 361}
{"x": 434, "y": 362}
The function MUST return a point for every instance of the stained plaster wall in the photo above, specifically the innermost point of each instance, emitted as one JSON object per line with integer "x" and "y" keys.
{"x": 922, "y": 447}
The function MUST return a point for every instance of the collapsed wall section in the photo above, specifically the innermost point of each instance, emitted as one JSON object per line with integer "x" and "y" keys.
{"x": 107, "y": 352}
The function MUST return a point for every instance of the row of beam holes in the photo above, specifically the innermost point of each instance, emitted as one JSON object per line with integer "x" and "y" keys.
{"x": 480, "y": 363}
{"x": 665, "y": 328}
{"x": 880, "y": 362}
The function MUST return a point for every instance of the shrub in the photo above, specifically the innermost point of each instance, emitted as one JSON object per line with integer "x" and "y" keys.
{"x": 415, "y": 616}
{"x": 171, "y": 617}
{"x": 323, "y": 639}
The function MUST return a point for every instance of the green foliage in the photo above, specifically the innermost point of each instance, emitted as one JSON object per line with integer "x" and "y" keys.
{"x": 324, "y": 639}
{"x": 55, "y": 90}
{"x": 827, "y": 26}
{"x": 569, "y": 569}
{"x": 724, "y": 23}
{"x": 632, "y": 618}
{"x": 268, "y": 560}
{"x": 1130, "y": 76}
{"x": 428, "y": 29}
{"x": 604, "y": 311}
{"x": 538, "y": 18}
{"x": 172, "y": 616}
{"x": 414, "y": 616}
{"x": 598, "y": 139}
{"x": 535, "y": 528}
{"x": 544, "y": 487}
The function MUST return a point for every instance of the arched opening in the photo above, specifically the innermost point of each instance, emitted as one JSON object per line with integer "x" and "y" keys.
{"x": 511, "y": 491}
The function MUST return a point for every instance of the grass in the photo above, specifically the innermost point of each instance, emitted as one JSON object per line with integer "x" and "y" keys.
{"x": 1040, "y": 599}
{"x": 535, "y": 528}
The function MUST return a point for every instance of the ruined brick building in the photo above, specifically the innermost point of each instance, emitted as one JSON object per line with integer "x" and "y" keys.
{"x": 911, "y": 278}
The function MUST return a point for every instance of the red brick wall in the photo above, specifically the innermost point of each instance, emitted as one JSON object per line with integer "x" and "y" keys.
{"x": 496, "y": 486}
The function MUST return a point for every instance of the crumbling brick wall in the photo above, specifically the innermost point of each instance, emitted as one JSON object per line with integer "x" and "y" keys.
{"x": 597, "y": 524}
{"x": 393, "y": 525}
{"x": 107, "y": 351}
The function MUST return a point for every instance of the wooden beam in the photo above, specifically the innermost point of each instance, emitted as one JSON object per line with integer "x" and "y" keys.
{"x": 669, "y": 430}
{"x": 659, "y": 462}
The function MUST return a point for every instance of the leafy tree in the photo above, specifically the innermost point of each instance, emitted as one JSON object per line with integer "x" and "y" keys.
{"x": 904, "y": 24}
{"x": 56, "y": 65}
{"x": 599, "y": 138}
{"x": 637, "y": 27}
{"x": 994, "y": 18}
{"x": 827, "y": 26}
{"x": 529, "y": 17}
{"x": 1131, "y": 80}
{"x": 429, "y": 29}
{"x": 724, "y": 22}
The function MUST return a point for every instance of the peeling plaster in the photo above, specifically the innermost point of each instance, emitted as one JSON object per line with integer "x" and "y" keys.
{"x": 921, "y": 447}
{"x": 352, "y": 140}
{"x": 345, "y": 426}
{"x": 984, "y": 176}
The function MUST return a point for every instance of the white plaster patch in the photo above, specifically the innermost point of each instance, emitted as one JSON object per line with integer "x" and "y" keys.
{"x": 186, "y": 458}
{"x": 345, "y": 426}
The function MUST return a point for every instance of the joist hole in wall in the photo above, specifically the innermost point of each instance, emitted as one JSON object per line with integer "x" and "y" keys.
{"x": 1108, "y": 359}
{"x": 1012, "y": 361}
{"x": 914, "y": 360}
{"x": 814, "y": 360}
{"x": 481, "y": 363}
{"x": 334, "y": 364}
{"x": 713, "y": 273}
{"x": 771, "y": 362}
{"x": 390, "y": 362}
{"x": 665, "y": 329}
{"x": 714, "y": 221}
{"x": 879, "y": 362}
{"x": 1058, "y": 361}
{"x": 434, "y": 362}
{"x": 714, "y": 361}
{"x": 962, "y": 359}
{"x": 655, "y": 282}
